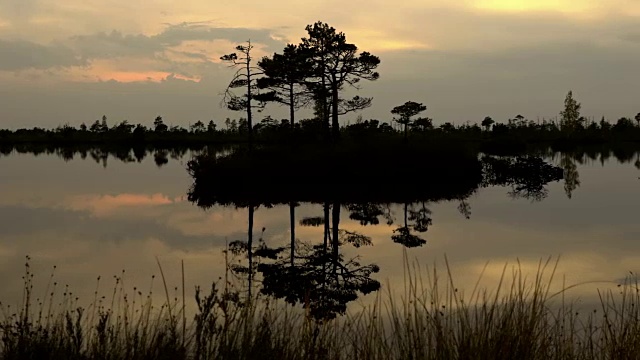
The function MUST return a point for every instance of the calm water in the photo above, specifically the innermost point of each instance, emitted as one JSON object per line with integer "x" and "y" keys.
{"x": 90, "y": 221}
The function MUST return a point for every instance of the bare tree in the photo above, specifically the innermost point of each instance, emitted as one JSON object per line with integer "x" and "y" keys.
{"x": 245, "y": 77}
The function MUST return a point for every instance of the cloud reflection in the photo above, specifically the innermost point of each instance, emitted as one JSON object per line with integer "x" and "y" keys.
{"x": 105, "y": 205}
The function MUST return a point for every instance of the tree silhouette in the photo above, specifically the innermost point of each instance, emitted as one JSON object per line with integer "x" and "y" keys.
{"x": 518, "y": 121}
{"x": 570, "y": 116}
{"x": 159, "y": 125}
{"x": 100, "y": 127}
{"x": 198, "y": 127}
{"x": 334, "y": 64}
{"x": 211, "y": 127}
{"x": 245, "y": 77}
{"x": 124, "y": 128}
{"x": 637, "y": 118}
{"x": 405, "y": 112}
{"x": 284, "y": 79}
{"x": 422, "y": 124}
{"x": 487, "y": 122}
{"x": 103, "y": 126}
{"x": 95, "y": 127}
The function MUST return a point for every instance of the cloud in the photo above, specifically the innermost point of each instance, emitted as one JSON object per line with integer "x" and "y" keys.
{"x": 102, "y": 45}
{"x": 176, "y": 34}
{"x": 463, "y": 62}
{"x": 185, "y": 50}
{"x": 22, "y": 54}
{"x": 19, "y": 10}
{"x": 115, "y": 44}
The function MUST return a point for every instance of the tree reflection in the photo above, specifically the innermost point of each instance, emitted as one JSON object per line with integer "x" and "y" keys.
{"x": 161, "y": 157}
{"x": 570, "y": 174}
{"x": 422, "y": 219}
{"x": 464, "y": 208}
{"x": 318, "y": 276}
{"x": 527, "y": 176}
{"x": 369, "y": 213}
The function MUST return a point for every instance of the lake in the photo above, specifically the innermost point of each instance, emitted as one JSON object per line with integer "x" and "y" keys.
{"x": 90, "y": 220}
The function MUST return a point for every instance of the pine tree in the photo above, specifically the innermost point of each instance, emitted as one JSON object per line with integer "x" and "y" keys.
{"x": 570, "y": 116}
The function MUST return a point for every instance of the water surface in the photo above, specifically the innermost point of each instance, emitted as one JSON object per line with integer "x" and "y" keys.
{"x": 91, "y": 220}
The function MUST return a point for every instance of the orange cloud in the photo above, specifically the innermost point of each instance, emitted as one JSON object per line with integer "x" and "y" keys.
{"x": 123, "y": 70}
{"x": 100, "y": 205}
{"x": 141, "y": 76}
{"x": 128, "y": 76}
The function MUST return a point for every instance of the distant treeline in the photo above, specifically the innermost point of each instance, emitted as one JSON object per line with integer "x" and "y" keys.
{"x": 517, "y": 133}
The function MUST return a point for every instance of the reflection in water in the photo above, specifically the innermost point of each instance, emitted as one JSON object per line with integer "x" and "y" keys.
{"x": 422, "y": 220}
{"x": 571, "y": 175}
{"x": 318, "y": 276}
{"x": 527, "y": 175}
{"x": 126, "y": 153}
{"x": 315, "y": 272}
{"x": 524, "y": 177}
{"x": 101, "y": 155}
{"x": 161, "y": 157}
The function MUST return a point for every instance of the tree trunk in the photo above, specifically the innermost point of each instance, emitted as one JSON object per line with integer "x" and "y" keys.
{"x": 326, "y": 241}
{"x": 250, "y": 247}
{"x": 405, "y": 214}
{"x": 335, "y": 218}
{"x": 249, "y": 118}
{"x": 334, "y": 111}
{"x": 325, "y": 108}
{"x": 326, "y": 226}
{"x": 292, "y": 108}
{"x": 292, "y": 221}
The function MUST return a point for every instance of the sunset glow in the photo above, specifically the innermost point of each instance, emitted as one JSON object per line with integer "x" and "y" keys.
{"x": 434, "y": 44}
{"x": 537, "y": 5}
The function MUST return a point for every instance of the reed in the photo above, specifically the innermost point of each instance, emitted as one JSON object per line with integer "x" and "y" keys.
{"x": 520, "y": 318}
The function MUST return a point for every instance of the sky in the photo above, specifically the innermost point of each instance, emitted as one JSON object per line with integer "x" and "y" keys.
{"x": 72, "y": 61}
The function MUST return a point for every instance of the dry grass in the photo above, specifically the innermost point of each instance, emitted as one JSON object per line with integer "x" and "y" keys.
{"x": 521, "y": 319}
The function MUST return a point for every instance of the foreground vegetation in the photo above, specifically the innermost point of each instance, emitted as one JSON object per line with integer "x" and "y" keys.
{"x": 431, "y": 319}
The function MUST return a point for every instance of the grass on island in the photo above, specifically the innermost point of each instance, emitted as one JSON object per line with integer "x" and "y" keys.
{"x": 523, "y": 319}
